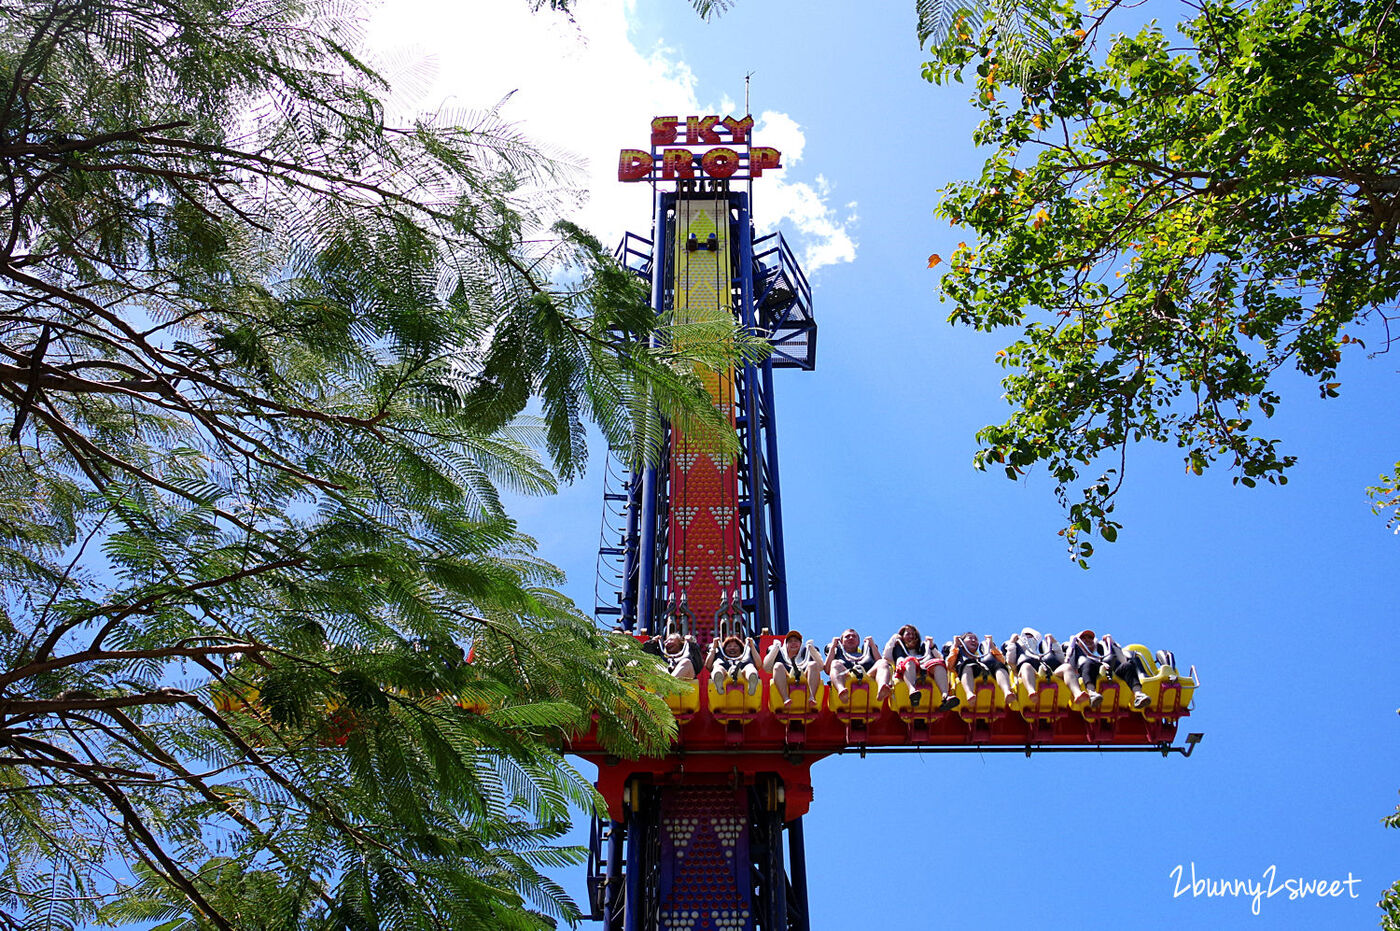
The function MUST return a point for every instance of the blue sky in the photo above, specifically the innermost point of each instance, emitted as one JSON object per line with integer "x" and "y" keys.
{"x": 1281, "y": 597}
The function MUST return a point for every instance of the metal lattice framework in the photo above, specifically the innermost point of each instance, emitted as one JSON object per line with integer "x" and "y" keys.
{"x": 762, "y": 285}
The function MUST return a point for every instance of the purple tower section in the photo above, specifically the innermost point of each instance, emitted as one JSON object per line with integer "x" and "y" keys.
{"x": 705, "y": 860}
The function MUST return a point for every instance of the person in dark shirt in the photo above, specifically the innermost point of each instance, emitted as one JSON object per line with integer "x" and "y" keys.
{"x": 733, "y": 659}
{"x": 1083, "y": 666}
{"x": 680, "y": 654}
{"x": 1123, "y": 665}
{"x": 848, "y": 656}
{"x": 975, "y": 659}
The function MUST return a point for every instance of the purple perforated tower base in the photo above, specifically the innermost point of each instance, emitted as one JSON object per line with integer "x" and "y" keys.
{"x": 705, "y": 860}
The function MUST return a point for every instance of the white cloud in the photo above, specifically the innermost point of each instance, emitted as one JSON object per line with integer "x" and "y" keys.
{"x": 781, "y": 132}
{"x": 583, "y": 88}
{"x": 822, "y": 239}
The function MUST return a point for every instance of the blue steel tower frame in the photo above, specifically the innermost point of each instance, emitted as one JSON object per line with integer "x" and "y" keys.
{"x": 633, "y": 870}
{"x": 772, "y": 298}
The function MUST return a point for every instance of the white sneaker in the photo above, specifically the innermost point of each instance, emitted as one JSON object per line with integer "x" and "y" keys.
{"x": 1095, "y": 700}
{"x": 1140, "y": 700}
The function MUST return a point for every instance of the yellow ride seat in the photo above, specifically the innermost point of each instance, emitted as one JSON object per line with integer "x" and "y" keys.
{"x": 1168, "y": 697}
{"x": 227, "y": 700}
{"x": 687, "y": 701}
{"x": 902, "y": 700}
{"x": 1116, "y": 696}
{"x": 986, "y": 699}
{"x": 1052, "y": 696}
{"x": 804, "y": 707}
{"x": 733, "y": 699}
{"x": 861, "y": 702}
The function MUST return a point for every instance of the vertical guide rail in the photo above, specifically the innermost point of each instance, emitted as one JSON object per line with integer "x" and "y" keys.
{"x": 630, "y": 553}
{"x": 773, "y": 501}
{"x": 798, "y": 917}
{"x": 647, "y": 544}
{"x": 632, "y": 901}
{"x": 613, "y": 891}
{"x": 641, "y": 900}
{"x": 752, "y": 510}
{"x": 766, "y": 848}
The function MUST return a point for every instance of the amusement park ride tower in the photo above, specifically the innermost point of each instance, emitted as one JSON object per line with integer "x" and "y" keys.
{"x": 694, "y": 840}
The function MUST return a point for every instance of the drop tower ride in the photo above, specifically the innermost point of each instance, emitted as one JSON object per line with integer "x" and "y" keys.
{"x": 709, "y": 837}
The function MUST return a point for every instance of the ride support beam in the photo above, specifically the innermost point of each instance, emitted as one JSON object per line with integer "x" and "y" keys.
{"x": 773, "y": 502}
{"x": 800, "y": 919}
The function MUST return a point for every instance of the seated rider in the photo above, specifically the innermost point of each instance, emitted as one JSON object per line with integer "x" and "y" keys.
{"x": 848, "y": 656}
{"x": 1084, "y": 661}
{"x": 915, "y": 659}
{"x": 1125, "y": 666}
{"x": 1166, "y": 661}
{"x": 680, "y": 654}
{"x": 1033, "y": 655}
{"x": 790, "y": 661}
{"x": 733, "y": 659}
{"x": 975, "y": 660}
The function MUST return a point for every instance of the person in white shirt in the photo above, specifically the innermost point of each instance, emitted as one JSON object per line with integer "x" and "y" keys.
{"x": 915, "y": 659}
{"x": 1032, "y": 655}
{"x": 789, "y": 661}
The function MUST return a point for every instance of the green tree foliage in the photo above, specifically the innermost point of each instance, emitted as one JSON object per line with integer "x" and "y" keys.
{"x": 1390, "y": 900}
{"x": 264, "y": 359}
{"x": 1168, "y": 225}
{"x": 710, "y": 8}
{"x": 1021, "y": 29}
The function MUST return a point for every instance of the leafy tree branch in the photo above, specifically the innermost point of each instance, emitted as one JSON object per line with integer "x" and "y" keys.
{"x": 267, "y": 360}
{"x": 1168, "y": 228}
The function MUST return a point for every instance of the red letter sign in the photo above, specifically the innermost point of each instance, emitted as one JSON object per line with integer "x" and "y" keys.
{"x": 739, "y": 129}
{"x": 761, "y": 157}
{"x": 720, "y": 163}
{"x": 715, "y": 148}
{"x": 663, "y": 130}
{"x": 677, "y": 163}
{"x": 634, "y": 165}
